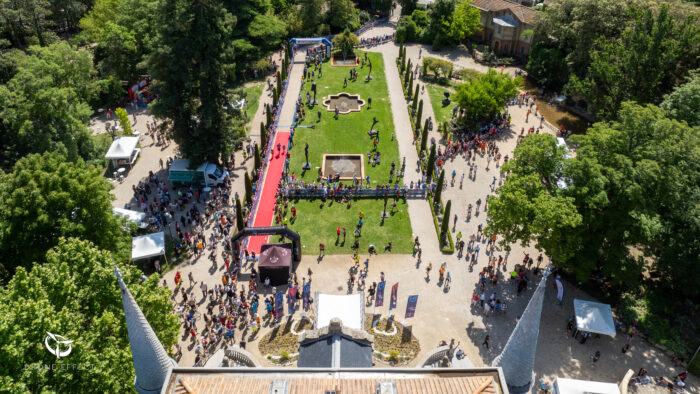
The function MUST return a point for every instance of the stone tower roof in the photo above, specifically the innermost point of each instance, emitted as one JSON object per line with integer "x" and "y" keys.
{"x": 151, "y": 362}
{"x": 518, "y": 356}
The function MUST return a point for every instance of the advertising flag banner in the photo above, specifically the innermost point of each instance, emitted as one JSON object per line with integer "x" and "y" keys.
{"x": 379, "y": 301}
{"x": 411, "y": 306}
{"x": 306, "y": 295}
{"x": 279, "y": 304}
{"x": 292, "y": 299}
{"x": 394, "y": 295}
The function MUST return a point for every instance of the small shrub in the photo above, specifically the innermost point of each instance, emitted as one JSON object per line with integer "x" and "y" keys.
{"x": 284, "y": 356}
{"x": 393, "y": 356}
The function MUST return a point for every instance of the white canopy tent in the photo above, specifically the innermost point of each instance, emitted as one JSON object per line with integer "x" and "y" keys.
{"x": 575, "y": 386}
{"x": 123, "y": 151}
{"x": 149, "y": 245}
{"x": 348, "y": 308}
{"x": 132, "y": 216}
{"x": 594, "y": 317}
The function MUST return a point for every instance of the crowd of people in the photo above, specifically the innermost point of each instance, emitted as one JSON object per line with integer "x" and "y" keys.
{"x": 376, "y": 40}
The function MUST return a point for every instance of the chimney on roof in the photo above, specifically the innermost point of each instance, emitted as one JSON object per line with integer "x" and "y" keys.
{"x": 518, "y": 356}
{"x": 151, "y": 362}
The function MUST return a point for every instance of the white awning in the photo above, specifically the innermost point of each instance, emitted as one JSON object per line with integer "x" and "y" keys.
{"x": 348, "y": 308}
{"x": 149, "y": 245}
{"x": 122, "y": 148}
{"x": 506, "y": 21}
{"x": 594, "y": 317}
{"x": 132, "y": 216}
{"x": 575, "y": 386}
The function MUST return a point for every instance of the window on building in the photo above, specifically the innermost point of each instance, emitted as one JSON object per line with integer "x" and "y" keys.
{"x": 490, "y": 36}
{"x": 499, "y": 29}
{"x": 506, "y": 49}
{"x": 522, "y": 49}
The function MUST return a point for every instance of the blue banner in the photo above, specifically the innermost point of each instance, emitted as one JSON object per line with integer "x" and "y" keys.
{"x": 379, "y": 301}
{"x": 292, "y": 299}
{"x": 394, "y": 295}
{"x": 411, "y": 306}
{"x": 279, "y": 304}
{"x": 306, "y": 295}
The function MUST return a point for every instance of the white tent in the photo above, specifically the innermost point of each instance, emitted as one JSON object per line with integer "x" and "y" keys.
{"x": 594, "y": 317}
{"x": 132, "y": 216}
{"x": 149, "y": 245}
{"x": 575, "y": 386}
{"x": 123, "y": 151}
{"x": 348, "y": 308}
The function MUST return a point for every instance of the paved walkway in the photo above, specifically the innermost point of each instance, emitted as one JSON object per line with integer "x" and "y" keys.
{"x": 264, "y": 214}
{"x": 442, "y": 313}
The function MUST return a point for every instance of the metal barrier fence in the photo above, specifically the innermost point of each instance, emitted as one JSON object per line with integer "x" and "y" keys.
{"x": 391, "y": 192}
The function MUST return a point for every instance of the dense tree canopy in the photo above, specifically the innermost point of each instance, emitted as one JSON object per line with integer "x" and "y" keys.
{"x": 684, "y": 101}
{"x": 45, "y": 105}
{"x": 633, "y": 187}
{"x": 655, "y": 50}
{"x": 46, "y": 197}
{"x": 192, "y": 62}
{"x": 486, "y": 94}
{"x": 574, "y": 25}
{"x": 547, "y": 66}
{"x": 74, "y": 293}
{"x": 529, "y": 208}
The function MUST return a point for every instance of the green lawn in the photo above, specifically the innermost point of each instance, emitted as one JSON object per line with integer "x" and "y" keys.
{"x": 317, "y": 222}
{"x": 436, "y": 96}
{"x": 347, "y": 134}
{"x": 253, "y": 94}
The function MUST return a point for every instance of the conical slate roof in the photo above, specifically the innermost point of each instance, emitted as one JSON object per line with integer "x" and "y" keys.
{"x": 151, "y": 362}
{"x": 518, "y": 356}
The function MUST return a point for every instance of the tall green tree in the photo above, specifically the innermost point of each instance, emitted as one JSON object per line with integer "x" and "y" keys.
{"x": 26, "y": 22}
{"x": 191, "y": 63}
{"x": 46, "y": 197}
{"x": 346, "y": 42}
{"x": 445, "y": 225}
{"x": 310, "y": 14}
{"x": 124, "y": 121}
{"x": 45, "y": 105}
{"x": 486, "y": 94}
{"x": 635, "y": 183}
{"x": 684, "y": 101}
{"x": 240, "y": 224}
{"x": 423, "y": 141}
{"x": 342, "y": 15}
{"x": 248, "y": 189}
{"x": 642, "y": 65}
{"x": 74, "y": 293}
{"x": 256, "y": 156}
{"x": 529, "y": 208}
{"x": 438, "y": 188}
{"x": 419, "y": 114}
{"x": 431, "y": 163}
{"x": 546, "y": 64}
{"x": 464, "y": 22}
{"x": 573, "y": 26}
{"x": 117, "y": 52}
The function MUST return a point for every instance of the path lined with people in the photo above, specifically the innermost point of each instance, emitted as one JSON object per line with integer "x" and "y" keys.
{"x": 264, "y": 214}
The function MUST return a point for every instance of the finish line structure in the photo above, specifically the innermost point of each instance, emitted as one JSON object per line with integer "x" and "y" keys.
{"x": 317, "y": 40}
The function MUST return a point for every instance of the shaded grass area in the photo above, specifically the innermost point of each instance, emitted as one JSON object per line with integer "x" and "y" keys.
{"x": 317, "y": 222}
{"x": 252, "y": 94}
{"x": 403, "y": 346}
{"x": 442, "y": 113}
{"x": 348, "y": 133}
